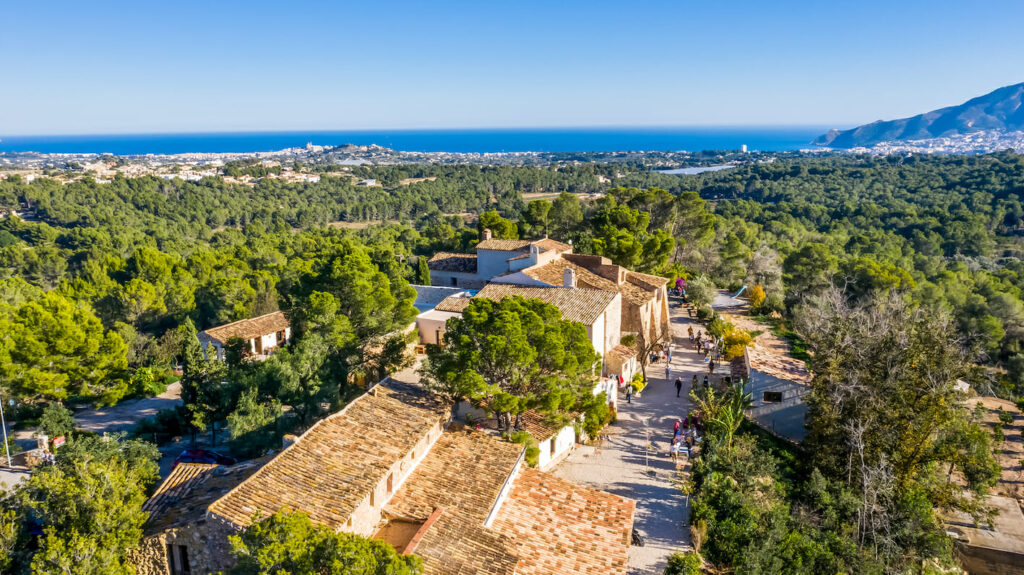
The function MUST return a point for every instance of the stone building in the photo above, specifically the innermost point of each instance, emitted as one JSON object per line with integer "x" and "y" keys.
{"x": 390, "y": 465}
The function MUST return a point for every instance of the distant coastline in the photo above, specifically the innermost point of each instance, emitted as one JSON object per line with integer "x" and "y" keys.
{"x": 480, "y": 141}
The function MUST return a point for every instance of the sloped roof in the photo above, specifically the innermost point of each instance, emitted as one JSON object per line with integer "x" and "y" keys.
{"x": 651, "y": 280}
{"x": 562, "y": 528}
{"x": 463, "y": 473}
{"x": 452, "y": 262}
{"x": 454, "y": 546}
{"x": 337, "y": 462}
{"x": 454, "y": 304}
{"x": 185, "y": 495}
{"x": 582, "y": 305}
{"x": 622, "y": 352}
{"x": 249, "y": 328}
{"x": 552, "y": 272}
{"x": 502, "y": 245}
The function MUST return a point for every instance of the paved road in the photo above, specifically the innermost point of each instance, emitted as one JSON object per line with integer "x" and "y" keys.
{"x": 124, "y": 416}
{"x": 622, "y": 465}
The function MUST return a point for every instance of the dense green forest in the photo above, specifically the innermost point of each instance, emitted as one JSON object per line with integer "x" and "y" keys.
{"x": 103, "y": 287}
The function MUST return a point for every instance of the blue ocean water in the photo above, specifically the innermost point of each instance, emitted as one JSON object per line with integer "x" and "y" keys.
{"x": 459, "y": 141}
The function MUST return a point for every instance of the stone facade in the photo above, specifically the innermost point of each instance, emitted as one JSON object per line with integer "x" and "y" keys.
{"x": 205, "y": 545}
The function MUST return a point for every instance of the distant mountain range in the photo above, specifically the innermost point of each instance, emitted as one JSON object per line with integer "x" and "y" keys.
{"x": 997, "y": 111}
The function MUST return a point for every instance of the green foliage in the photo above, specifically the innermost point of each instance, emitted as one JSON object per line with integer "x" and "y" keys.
{"x": 700, "y": 291}
{"x": 89, "y": 504}
{"x": 530, "y": 443}
{"x": 56, "y": 421}
{"x": 680, "y": 563}
{"x": 499, "y": 226}
{"x": 290, "y": 543}
{"x": 511, "y": 356}
{"x": 1005, "y": 417}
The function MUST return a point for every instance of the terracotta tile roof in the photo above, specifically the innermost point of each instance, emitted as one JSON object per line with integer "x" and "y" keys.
{"x": 559, "y": 527}
{"x": 551, "y": 274}
{"x": 538, "y": 425}
{"x": 463, "y": 472}
{"x": 622, "y": 352}
{"x": 545, "y": 244}
{"x": 582, "y": 305}
{"x": 653, "y": 281}
{"x": 454, "y": 546}
{"x": 334, "y": 465}
{"x": 454, "y": 304}
{"x": 249, "y": 328}
{"x": 503, "y": 245}
{"x": 550, "y": 244}
{"x": 450, "y": 262}
{"x": 185, "y": 495}
{"x": 533, "y": 422}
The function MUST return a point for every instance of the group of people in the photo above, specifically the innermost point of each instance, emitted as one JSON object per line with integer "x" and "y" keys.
{"x": 708, "y": 346}
{"x": 684, "y": 436}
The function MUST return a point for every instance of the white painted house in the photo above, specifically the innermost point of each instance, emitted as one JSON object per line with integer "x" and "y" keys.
{"x": 261, "y": 335}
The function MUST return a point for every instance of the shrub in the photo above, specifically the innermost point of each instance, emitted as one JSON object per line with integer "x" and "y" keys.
{"x": 680, "y": 563}
{"x": 757, "y": 298}
{"x": 532, "y": 451}
{"x": 56, "y": 420}
{"x": 639, "y": 383}
{"x": 704, "y": 313}
{"x": 162, "y": 427}
{"x": 1005, "y": 417}
{"x": 997, "y": 433}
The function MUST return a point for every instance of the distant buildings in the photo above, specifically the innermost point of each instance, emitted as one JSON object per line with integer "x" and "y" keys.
{"x": 609, "y": 299}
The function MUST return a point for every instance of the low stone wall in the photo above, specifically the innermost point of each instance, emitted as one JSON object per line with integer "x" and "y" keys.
{"x": 985, "y": 561}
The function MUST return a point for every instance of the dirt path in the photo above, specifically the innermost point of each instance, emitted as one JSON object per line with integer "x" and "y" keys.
{"x": 633, "y": 461}
{"x": 124, "y": 416}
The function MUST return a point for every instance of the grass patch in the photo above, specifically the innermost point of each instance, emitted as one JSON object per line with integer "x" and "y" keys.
{"x": 797, "y": 347}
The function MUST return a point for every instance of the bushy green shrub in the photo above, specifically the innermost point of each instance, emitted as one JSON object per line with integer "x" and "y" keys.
{"x": 532, "y": 451}
{"x": 56, "y": 421}
{"x": 680, "y": 563}
{"x": 1005, "y": 417}
{"x": 162, "y": 427}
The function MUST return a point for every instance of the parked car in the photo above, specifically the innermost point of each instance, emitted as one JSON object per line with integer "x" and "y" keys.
{"x": 203, "y": 456}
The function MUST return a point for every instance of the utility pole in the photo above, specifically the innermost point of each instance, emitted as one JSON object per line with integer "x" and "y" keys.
{"x": 3, "y": 424}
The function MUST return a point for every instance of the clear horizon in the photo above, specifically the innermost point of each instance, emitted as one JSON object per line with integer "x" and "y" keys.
{"x": 120, "y": 68}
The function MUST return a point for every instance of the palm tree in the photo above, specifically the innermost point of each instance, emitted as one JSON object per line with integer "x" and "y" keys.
{"x": 722, "y": 415}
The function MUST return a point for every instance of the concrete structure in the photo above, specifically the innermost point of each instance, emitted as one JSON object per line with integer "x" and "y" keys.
{"x": 996, "y": 549}
{"x": 389, "y": 465}
{"x": 777, "y": 386}
{"x": 262, "y": 335}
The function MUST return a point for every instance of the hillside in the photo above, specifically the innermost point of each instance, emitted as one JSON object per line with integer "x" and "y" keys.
{"x": 999, "y": 110}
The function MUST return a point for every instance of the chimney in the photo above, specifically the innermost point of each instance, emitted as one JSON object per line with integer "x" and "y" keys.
{"x": 486, "y": 234}
{"x": 534, "y": 252}
{"x": 569, "y": 278}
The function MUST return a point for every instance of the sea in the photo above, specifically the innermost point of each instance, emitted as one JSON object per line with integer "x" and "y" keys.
{"x": 690, "y": 139}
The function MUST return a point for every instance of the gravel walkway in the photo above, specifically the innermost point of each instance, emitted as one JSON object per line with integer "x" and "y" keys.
{"x": 622, "y": 465}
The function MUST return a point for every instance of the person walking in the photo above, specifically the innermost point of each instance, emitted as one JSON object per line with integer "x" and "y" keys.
{"x": 670, "y": 354}
{"x": 689, "y": 330}
{"x": 693, "y": 384}
{"x": 679, "y": 386}
{"x": 711, "y": 367}
{"x": 674, "y": 449}
{"x": 668, "y": 370}
{"x": 675, "y": 428}
{"x": 629, "y": 393}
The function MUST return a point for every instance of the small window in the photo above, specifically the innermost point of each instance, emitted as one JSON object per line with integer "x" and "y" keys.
{"x": 373, "y": 498}
{"x": 391, "y": 482}
{"x": 554, "y": 445}
{"x": 772, "y": 396}
{"x": 455, "y": 282}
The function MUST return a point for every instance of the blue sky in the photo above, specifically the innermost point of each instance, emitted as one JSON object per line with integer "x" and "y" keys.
{"x": 184, "y": 66}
